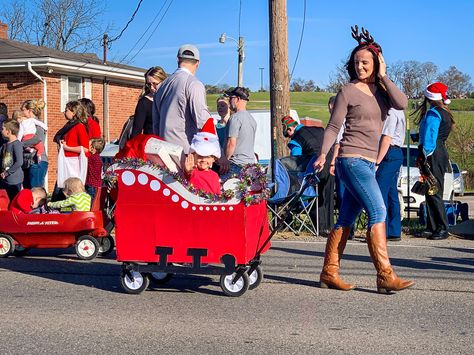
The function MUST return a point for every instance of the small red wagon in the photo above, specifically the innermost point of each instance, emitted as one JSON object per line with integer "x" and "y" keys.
{"x": 84, "y": 230}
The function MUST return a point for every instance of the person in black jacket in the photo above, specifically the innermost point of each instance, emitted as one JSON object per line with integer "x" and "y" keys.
{"x": 142, "y": 121}
{"x": 435, "y": 125}
{"x": 306, "y": 141}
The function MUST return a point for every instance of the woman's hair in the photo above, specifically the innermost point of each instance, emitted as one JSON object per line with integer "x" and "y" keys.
{"x": 350, "y": 65}
{"x": 90, "y": 108}
{"x": 421, "y": 110}
{"x": 36, "y": 106}
{"x": 223, "y": 98}
{"x": 80, "y": 112}
{"x": 73, "y": 186}
{"x": 157, "y": 73}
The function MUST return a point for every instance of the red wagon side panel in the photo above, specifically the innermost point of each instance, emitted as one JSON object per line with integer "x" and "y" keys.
{"x": 150, "y": 214}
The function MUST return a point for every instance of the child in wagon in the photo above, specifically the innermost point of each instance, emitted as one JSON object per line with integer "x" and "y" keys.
{"x": 77, "y": 197}
{"x": 203, "y": 152}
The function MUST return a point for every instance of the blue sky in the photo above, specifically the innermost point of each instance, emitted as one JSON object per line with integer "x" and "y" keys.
{"x": 437, "y": 31}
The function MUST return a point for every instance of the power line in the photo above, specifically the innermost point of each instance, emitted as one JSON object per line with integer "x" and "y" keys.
{"x": 301, "y": 40}
{"x": 128, "y": 23}
{"x": 143, "y": 34}
{"x": 151, "y": 34}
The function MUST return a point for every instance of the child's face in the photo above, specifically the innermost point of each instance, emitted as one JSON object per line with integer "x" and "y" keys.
{"x": 68, "y": 114}
{"x": 5, "y": 132}
{"x": 91, "y": 149}
{"x": 37, "y": 199}
{"x": 203, "y": 163}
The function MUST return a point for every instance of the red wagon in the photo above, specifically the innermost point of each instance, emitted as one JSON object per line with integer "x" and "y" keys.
{"x": 84, "y": 230}
{"x": 161, "y": 228}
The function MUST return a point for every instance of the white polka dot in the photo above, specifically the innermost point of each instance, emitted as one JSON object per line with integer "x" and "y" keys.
{"x": 207, "y": 208}
{"x": 231, "y": 208}
{"x": 128, "y": 178}
{"x": 142, "y": 179}
{"x": 166, "y": 192}
{"x": 215, "y": 208}
{"x": 223, "y": 208}
{"x": 175, "y": 198}
{"x": 155, "y": 185}
{"x": 200, "y": 208}
{"x": 185, "y": 204}
{"x": 194, "y": 208}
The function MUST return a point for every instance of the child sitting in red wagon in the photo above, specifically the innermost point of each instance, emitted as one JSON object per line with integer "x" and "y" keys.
{"x": 204, "y": 151}
{"x": 28, "y": 201}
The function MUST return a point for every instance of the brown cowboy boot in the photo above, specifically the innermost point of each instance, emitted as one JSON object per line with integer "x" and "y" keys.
{"x": 387, "y": 280}
{"x": 335, "y": 245}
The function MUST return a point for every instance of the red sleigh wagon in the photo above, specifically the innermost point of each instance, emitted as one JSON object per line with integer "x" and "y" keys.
{"x": 163, "y": 227}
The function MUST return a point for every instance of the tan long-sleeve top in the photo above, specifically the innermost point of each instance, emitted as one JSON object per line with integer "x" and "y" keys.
{"x": 364, "y": 116}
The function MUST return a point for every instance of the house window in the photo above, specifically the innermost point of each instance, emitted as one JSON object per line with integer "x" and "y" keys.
{"x": 71, "y": 89}
{"x": 74, "y": 87}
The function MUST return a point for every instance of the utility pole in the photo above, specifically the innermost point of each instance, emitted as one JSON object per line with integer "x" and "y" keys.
{"x": 261, "y": 79}
{"x": 105, "y": 95}
{"x": 279, "y": 76}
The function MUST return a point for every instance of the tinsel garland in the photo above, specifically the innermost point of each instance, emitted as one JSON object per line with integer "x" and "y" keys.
{"x": 252, "y": 188}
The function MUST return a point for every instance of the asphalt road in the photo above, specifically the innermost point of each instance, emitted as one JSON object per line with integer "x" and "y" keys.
{"x": 55, "y": 304}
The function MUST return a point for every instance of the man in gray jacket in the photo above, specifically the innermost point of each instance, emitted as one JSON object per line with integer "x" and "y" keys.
{"x": 179, "y": 105}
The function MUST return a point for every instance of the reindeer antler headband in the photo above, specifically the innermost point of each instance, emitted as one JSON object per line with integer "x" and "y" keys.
{"x": 365, "y": 38}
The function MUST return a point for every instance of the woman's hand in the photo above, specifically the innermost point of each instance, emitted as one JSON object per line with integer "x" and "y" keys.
{"x": 318, "y": 165}
{"x": 382, "y": 66}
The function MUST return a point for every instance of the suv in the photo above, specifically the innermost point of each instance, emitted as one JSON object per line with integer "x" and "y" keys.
{"x": 458, "y": 179}
{"x": 414, "y": 173}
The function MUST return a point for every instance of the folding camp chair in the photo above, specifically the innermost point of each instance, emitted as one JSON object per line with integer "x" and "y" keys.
{"x": 295, "y": 196}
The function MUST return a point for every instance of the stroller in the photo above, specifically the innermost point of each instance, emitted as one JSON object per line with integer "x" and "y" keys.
{"x": 295, "y": 197}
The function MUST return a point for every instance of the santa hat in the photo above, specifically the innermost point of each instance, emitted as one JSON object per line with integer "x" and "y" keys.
{"x": 288, "y": 122}
{"x": 206, "y": 142}
{"x": 436, "y": 92}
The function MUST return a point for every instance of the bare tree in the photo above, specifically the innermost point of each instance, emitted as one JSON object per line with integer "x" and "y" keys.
{"x": 339, "y": 78}
{"x": 459, "y": 84}
{"x": 66, "y": 25}
{"x": 412, "y": 76}
{"x": 461, "y": 141}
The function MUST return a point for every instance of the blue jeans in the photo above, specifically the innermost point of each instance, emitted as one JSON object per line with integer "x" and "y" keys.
{"x": 362, "y": 191}
{"x": 387, "y": 178}
{"x": 34, "y": 176}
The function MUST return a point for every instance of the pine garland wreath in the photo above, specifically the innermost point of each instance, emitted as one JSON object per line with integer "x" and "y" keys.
{"x": 252, "y": 188}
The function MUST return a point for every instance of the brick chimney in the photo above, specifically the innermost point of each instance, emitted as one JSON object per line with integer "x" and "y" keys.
{"x": 3, "y": 30}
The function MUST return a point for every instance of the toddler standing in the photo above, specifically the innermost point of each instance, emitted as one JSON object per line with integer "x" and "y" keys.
{"x": 11, "y": 155}
{"x": 94, "y": 166}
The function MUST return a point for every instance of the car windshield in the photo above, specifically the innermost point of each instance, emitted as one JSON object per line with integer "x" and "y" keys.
{"x": 413, "y": 156}
{"x": 455, "y": 168}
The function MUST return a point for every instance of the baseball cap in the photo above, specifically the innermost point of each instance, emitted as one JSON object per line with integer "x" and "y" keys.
{"x": 192, "y": 52}
{"x": 238, "y": 91}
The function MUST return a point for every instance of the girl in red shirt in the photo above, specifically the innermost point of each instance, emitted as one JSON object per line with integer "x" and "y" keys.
{"x": 74, "y": 138}
{"x": 92, "y": 120}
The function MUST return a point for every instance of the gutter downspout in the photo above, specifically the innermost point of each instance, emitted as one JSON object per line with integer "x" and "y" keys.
{"x": 45, "y": 113}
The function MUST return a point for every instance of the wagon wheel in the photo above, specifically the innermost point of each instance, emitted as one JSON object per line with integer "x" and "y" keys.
{"x": 134, "y": 282}
{"x": 20, "y": 250}
{"x": 238, "y": 288}
{"x": 160, "y": 278}
{"x": 7, "y": 245}
{"x": 106, "y": 245}
{"x": 255, "y": 278}
{"x": 87, "y": 247}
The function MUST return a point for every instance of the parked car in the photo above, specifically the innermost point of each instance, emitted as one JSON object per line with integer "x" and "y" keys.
{"x": 458, "y": 179}
{"x": 414, "y": 175}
